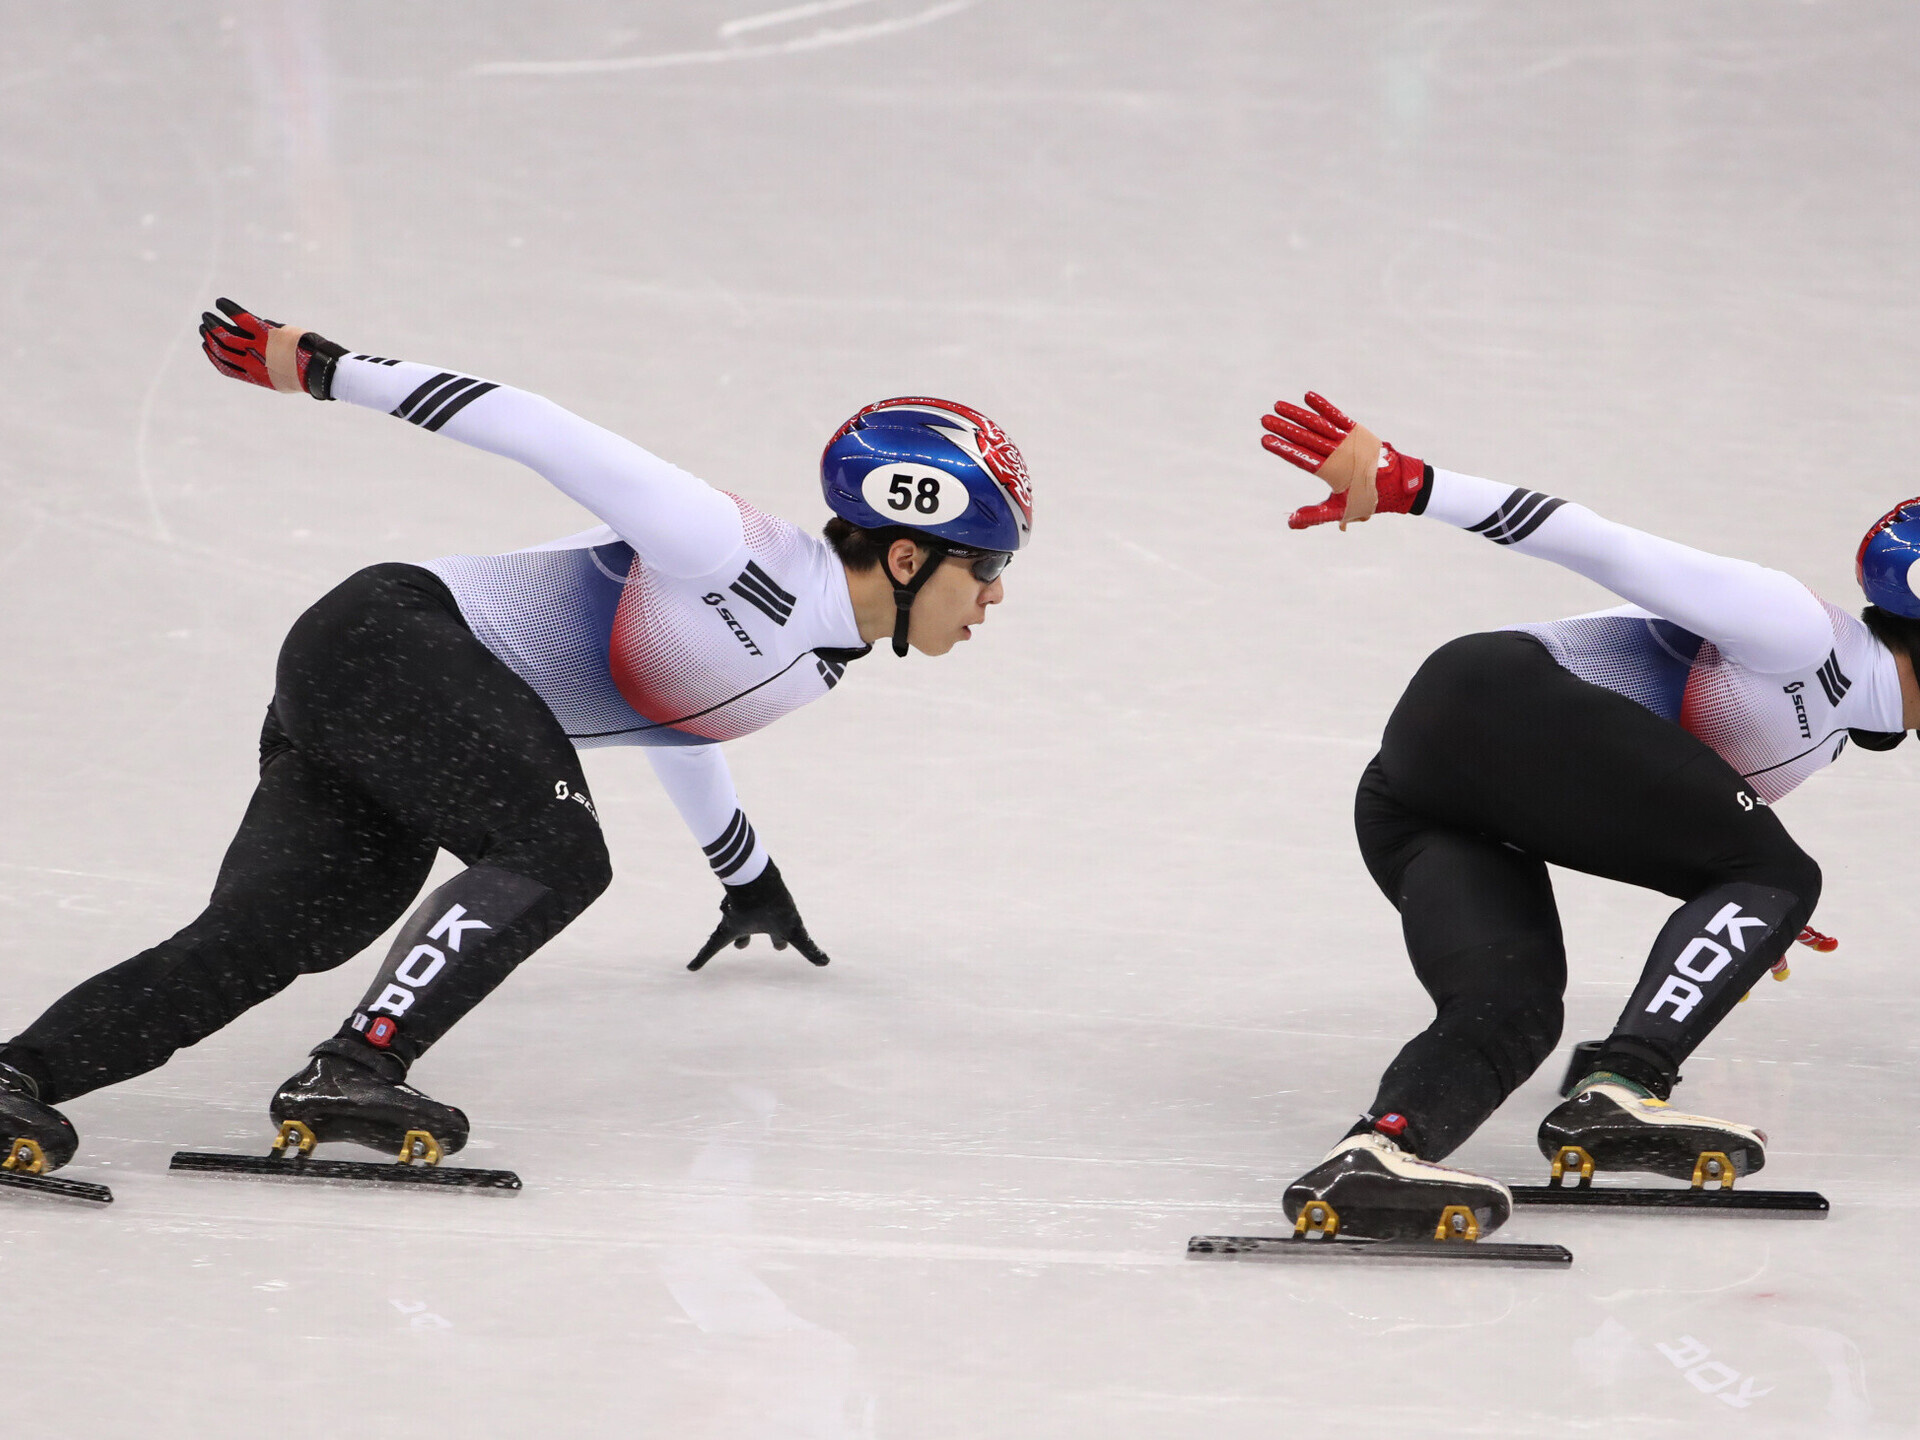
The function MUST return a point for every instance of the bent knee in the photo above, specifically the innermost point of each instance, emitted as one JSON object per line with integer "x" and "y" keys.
{"x": 595, "y": 873}
{"x": 567, "y": 854}
{"x": 1804, "y": 879}
{"x": 579, "y": 875}
{"x": 583, "y": 854}
{"x": 1785, "y": 866}
{"x": 1516, "y": 1033}
{"x": 1536, "y": 1014}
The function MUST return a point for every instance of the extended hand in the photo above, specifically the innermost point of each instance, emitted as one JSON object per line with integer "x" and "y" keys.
{"x": 265, "y": 352}
{"x": 1365, "y": 473}
{"x": 762, "y": 906}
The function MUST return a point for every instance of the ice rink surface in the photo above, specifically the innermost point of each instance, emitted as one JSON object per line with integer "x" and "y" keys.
{"x": 1107, "y": 969}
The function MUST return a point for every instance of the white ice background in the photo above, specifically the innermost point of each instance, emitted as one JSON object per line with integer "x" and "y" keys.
{"x": 1107, "y": 970}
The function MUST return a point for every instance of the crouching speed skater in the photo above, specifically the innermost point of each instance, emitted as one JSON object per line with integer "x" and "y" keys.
{"x": 441, "y": 706}
{"x": 1644, "y": 744}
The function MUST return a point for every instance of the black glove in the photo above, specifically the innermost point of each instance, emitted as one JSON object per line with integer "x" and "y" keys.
{"x": 762, "y": 906}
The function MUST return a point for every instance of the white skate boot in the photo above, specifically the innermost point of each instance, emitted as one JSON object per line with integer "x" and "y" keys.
{"x": 1368, "y": 1188}
{"x": 1621, "y": 1126}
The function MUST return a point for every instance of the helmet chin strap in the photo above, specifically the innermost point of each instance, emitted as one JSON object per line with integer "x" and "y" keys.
{"x": 904, "y": 591}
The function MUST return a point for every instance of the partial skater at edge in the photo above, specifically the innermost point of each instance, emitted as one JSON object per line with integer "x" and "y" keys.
{"x": 1645, "y": 744}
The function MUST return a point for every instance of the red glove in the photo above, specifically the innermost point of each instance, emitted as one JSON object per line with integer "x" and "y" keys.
{"x": 1813, "y": 940}
{"x": 1309, "y": 438}
{"x": 247, "y": 348}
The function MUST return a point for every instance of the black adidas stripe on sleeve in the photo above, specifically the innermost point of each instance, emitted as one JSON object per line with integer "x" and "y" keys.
{"x": 763, "y": 592}
{"x": 730, "y": 851}
{"x": 1522, "y": 513}
{"x": 438, "y": 400}
{"x": 1833, "y": 679}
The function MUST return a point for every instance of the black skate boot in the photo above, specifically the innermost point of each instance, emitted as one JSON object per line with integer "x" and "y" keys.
{"x": 1622, "y": 1127}
{"x": 23, "y": 1117}
{"x": 351, "y": 1091}
{"x": 1377, "y": 1191}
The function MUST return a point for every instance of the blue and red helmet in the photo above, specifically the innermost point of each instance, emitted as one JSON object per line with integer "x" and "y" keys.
{"x": 933, "y": 466}
{"x": 1888, "y": 566}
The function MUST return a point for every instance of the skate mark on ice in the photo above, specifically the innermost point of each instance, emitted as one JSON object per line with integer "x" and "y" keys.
{"x": 95, "y": 525}
{"x": 213, "y": 205}
{"x": 1158, "y": 1022}
{"x": 1656, "y": 1291}
{"x": 1017, "y": 311}
{"x": 781, "y": 17}
{"x": 811, "y": 1383}
{"x": 819, "y": 40}
{"x": 419, "y": 1317}
{"x": 1213, "y": 587}
{"x": 1407, "y": 1327}
{"x": 117, "y": 879}
{"x": 873, "y": 1202}
{"x": 426, "y": 1233}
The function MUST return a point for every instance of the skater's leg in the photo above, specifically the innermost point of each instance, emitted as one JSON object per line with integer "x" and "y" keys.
{"x": 459, "y": 943}
{"x": 384, "y": 680}
{"x": 1495, "y": 738}
{"x": 1715, "y": 947}
{"x": 313, "y": 876}
{"x": 1705, "y": 958}
{"x": 1484, "y": 937}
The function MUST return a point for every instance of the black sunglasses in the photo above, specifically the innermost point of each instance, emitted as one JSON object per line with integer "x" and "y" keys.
{"x": 987, "y": 564}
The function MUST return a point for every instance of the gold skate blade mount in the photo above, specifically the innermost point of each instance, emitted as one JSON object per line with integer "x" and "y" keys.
{"x": 25, "y": 1168}
{"x": 1571, "y": 1171}
{"x": 1324, "y": 1247}
{"x": 289, "y": 1159}
{"x": 297, "y": 1134}
{"x": 1317, "y": 1218}
{"x": 419, "y": 1145}
{"x": 1457, "y": 1223}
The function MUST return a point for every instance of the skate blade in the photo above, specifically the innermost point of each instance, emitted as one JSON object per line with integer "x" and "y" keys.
{"x": 56, "y": 1187}
{"x": 1572, "y": 1170}
{"x": 1343, "y": 1248}
{"x": 1598, "y": 1197}
{"x": 342, "y": 1172}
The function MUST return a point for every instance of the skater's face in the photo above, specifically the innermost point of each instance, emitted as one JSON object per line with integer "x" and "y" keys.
{"x": 950, "y": 604}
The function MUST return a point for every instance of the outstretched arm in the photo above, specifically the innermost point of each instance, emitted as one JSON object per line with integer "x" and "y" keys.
{"x": 1762, "y": 618}
{"x": 756, "y": 901}
{"x": 675, "y": 522}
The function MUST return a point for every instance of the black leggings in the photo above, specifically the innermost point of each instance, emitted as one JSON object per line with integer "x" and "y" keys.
{"x": 1497, "y": 763}
{"x": 393, "y": 733}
